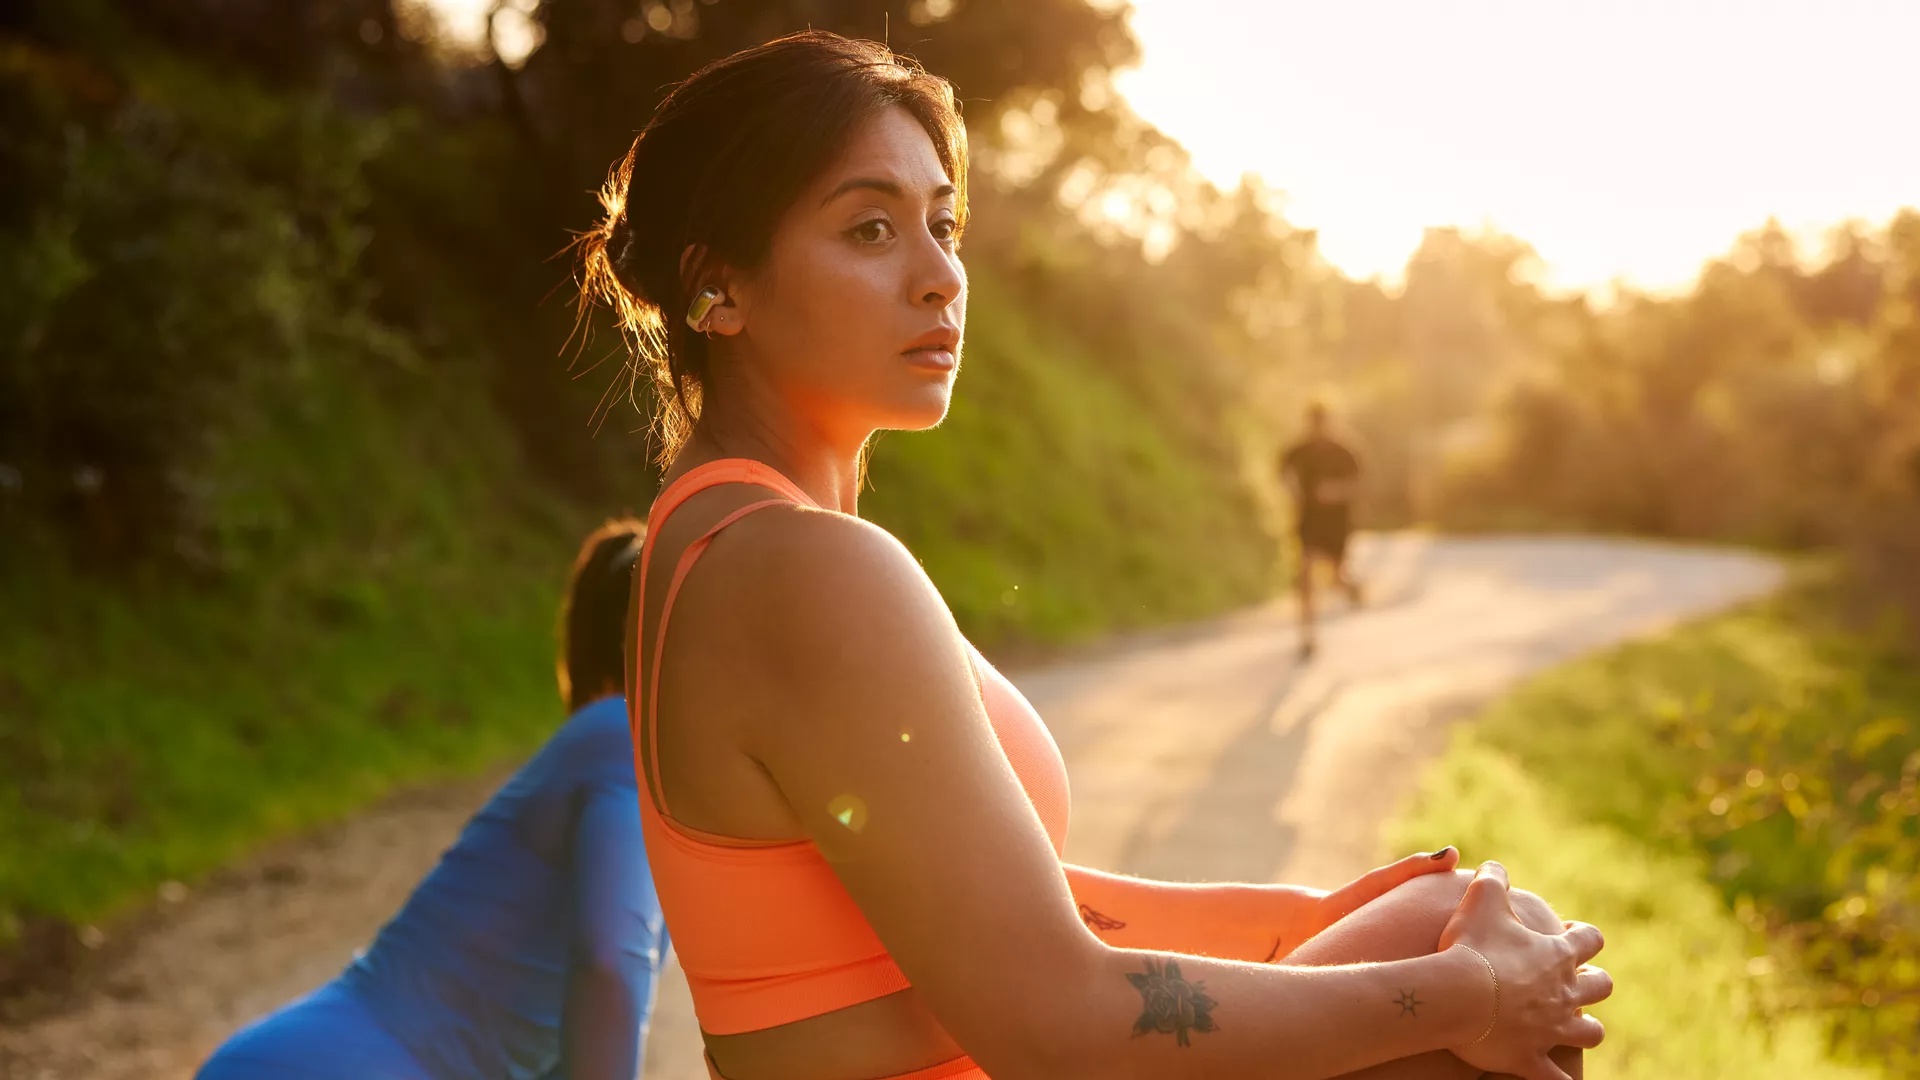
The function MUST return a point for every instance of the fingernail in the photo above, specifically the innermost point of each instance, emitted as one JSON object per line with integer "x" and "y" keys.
{"x": 1441, "y": 854}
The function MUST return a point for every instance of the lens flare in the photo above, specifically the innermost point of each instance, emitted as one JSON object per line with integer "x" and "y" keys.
{"x": 848, "y": 810}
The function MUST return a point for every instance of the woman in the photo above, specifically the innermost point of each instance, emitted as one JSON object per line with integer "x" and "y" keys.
{"x": 533, "y": 948}
{"x": 854, "y": 822}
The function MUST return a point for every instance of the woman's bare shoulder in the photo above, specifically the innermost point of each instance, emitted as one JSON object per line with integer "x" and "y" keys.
{"x": 809, "y": 577}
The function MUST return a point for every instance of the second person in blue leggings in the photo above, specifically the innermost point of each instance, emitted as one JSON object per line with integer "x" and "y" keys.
{"x": 532, "y": 950}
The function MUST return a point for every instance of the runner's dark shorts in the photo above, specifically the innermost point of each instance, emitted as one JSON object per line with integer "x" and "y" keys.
{"x": 1325, "y": 533}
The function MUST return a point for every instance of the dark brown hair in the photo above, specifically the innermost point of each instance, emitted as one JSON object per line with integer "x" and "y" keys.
{"x": 724, "y": 156}
{"x": 593, "y": 612}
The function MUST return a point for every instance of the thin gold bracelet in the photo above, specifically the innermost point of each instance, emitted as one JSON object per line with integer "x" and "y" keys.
{"x": 1496, "y": 993}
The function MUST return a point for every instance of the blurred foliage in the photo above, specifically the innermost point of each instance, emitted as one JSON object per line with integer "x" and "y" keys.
{"x": 1808, "y": 803}
{"x": 169, "y": 247}
{"x": 1776, "y": 403}
{"x": 1693, "y": 994}
{"x": 1769, "y": 755}
{"x": 257, "y": 177}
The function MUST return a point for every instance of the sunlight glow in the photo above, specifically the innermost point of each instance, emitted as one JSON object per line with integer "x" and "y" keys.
{"x": 465, "y": 22}
{"x": 1631, "y": 139}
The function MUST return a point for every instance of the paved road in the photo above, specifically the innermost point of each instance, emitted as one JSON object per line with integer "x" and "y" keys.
{"x": 1207, "y": 753}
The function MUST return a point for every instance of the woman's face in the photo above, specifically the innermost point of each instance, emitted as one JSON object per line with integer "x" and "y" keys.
{"x": 855, "y": 318}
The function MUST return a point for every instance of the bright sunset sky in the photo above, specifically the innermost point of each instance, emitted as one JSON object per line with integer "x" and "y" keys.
{"x": 1620, "y": 137}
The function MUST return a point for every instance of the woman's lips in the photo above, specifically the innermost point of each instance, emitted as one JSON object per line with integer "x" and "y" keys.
{"x": 936, "y": 358}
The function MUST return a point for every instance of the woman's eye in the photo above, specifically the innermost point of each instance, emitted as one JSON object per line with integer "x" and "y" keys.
{"x": 877, "y": 231}
{"x": 946, "y": 230}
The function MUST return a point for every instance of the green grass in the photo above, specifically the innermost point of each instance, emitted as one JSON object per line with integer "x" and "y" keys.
{"x": 386, "y": 618}
{"x": 1594, "y": 784}
{"x": 155, "y": 736}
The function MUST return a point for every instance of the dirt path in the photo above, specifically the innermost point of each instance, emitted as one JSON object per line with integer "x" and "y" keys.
{"x": 1202, "y": 754}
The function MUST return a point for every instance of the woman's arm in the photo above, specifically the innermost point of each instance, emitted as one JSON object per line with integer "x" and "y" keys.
{"x": 619, "y": 937}
{"x": 858, "y": 700}
{"x": 1230, "y": 921}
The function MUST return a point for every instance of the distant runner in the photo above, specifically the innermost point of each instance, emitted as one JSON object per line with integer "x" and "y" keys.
{"x": 1324, "y": 476}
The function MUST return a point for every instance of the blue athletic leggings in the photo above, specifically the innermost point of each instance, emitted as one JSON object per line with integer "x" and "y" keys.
{"x": 327, "y": 1035}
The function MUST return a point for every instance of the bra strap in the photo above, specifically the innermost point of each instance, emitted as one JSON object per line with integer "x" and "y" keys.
{"x": 695, "y": 480}
{"x": 650, "y": 717}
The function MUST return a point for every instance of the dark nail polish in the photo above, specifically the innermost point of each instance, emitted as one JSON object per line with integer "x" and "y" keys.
{"x": 1441, "y": 854}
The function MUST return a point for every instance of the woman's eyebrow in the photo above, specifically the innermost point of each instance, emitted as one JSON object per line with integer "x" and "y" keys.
{"x": 885, "y": 187}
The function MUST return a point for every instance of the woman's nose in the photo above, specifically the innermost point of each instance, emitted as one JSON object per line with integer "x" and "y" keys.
{"x": 939, "y": 277}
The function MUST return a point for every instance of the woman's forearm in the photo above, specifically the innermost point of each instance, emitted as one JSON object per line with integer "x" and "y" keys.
{"x": 1226, "y": 921}
{"x": 1171, "y": 1017}
{"x": 600, "y": 1024}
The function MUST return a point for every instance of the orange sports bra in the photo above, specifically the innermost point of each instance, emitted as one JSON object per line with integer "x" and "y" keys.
{"x": 765, "y": 932}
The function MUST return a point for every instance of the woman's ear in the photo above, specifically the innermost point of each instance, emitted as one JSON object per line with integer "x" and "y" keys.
{"x": 724, "y": 314}
{"x": 729, "y": 314}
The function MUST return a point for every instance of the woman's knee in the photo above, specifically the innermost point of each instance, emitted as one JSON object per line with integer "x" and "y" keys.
{"x": 1435, "y": 897}
{"x": 1535, "y": 914}
{"x": 1400, "y": 925}
{"x": 1408, "y": 922}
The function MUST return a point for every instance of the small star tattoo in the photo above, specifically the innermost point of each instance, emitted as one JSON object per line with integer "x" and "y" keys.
{"x": 1409, "y": 1004}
